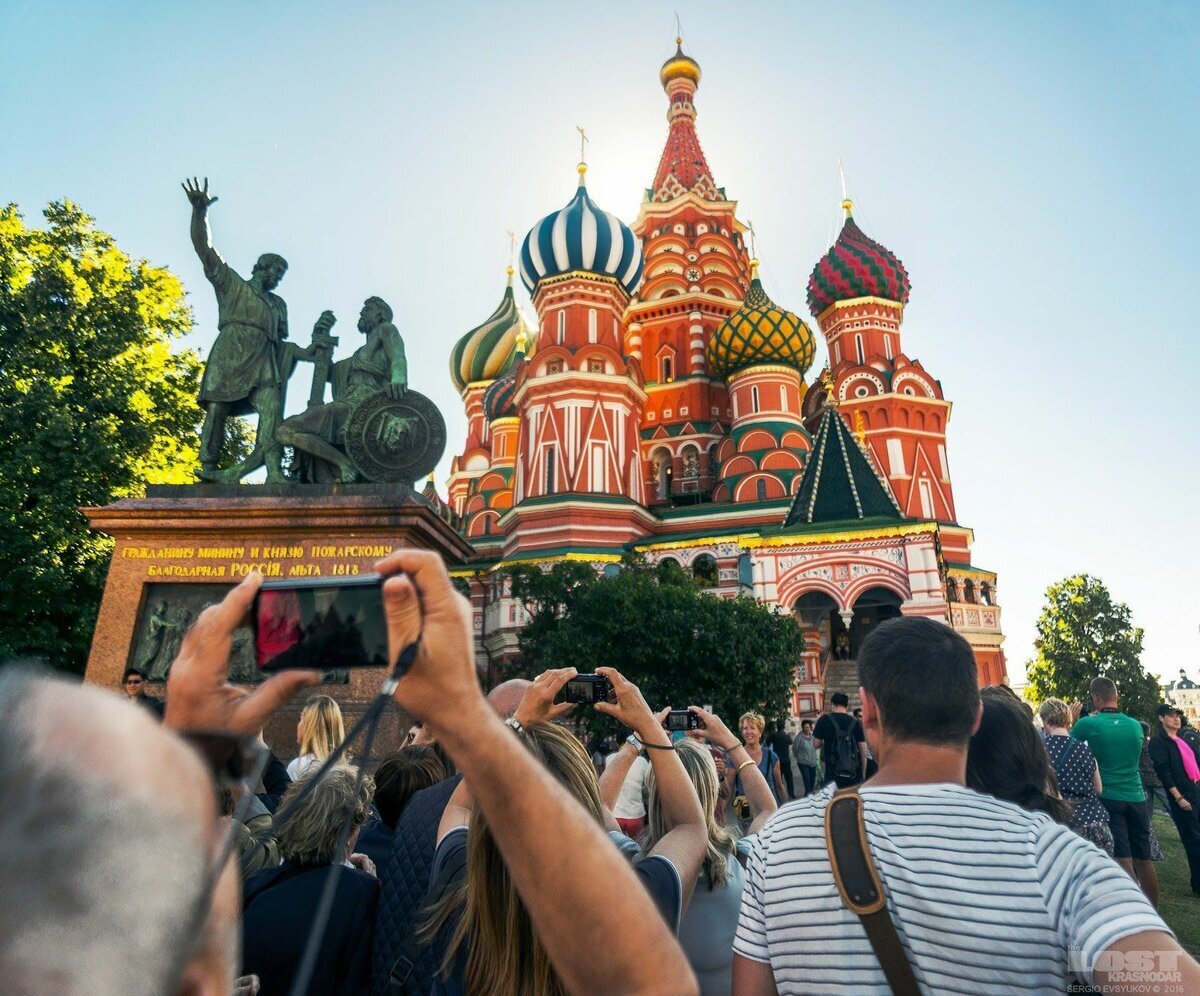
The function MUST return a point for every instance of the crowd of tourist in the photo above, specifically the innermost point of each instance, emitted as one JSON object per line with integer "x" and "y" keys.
{"x": 160, "y": 852}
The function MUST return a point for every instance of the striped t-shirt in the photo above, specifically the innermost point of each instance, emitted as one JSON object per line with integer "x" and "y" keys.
{"x": 985, "y": 896}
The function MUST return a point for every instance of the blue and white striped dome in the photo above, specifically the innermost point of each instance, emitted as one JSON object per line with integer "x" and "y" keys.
{"x": 581, "y": 237}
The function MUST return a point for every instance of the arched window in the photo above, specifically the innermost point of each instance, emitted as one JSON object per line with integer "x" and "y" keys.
{"x": 951, "y": 590}
{"x": 668, "y": 370}
{"x": 761, "y": 487}
{"x": 858, "y": 348}
{"x": 887, "y": 345}
{"x": 591, "y": 325}
{"x": 704, "y": 570}
{"x": 754, "y": 398}
{"x": 549, "y": 470}
{"x": 837, "y": 353}
{"x": 969, "y": 591}
{"x": 985, "y": 594}
{"x": 562, "y": 327}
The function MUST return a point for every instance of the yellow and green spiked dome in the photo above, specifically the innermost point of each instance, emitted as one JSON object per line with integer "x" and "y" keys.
{"x": 760, "y": 332}
{"x": 490, "y": 349}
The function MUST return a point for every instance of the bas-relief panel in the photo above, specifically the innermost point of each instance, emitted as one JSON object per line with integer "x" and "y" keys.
{"x": 167, "y": 612}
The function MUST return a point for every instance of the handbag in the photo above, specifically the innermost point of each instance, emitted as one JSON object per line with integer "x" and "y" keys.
{"x": 861, "y": 888}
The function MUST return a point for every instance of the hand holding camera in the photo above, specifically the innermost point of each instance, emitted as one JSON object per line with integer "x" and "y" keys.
{"x": 538, "y": 705}
{"x": 629, "y": 707}
{"x": 441, "y": 687}
{"x": 714, "y": 730}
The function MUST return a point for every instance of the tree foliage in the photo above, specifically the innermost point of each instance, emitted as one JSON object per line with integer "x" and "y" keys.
{"x": 1083, "y": 634}
{"x": 94, "y": 405}
{"x": 679, "y": 645}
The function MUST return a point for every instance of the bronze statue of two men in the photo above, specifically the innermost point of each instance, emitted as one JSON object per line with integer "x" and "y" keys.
{"x": 251, "y": 360}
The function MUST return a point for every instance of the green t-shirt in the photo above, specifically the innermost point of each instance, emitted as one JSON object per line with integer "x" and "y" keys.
{"x": 1116, "y": 743}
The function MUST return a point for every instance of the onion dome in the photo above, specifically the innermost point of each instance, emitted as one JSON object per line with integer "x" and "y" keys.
{"x": 679, "y": 66}
{"x": 760, "y": 332}
{"x": 581, "y": 237}
{"x": 856, "y": 266}
{"x": 489, "y": 350}
{"x": 499, "y": 400}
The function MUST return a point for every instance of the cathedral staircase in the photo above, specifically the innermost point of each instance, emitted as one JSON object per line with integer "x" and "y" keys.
{"x": 841, "y": 676}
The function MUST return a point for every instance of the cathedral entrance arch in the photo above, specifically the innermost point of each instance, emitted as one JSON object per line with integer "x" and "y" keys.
{"x": 873, "y": 606}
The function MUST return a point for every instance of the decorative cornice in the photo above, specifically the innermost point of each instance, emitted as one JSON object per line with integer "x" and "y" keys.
{"x": 868, "y": 532}
{"x": 859, "y": 302}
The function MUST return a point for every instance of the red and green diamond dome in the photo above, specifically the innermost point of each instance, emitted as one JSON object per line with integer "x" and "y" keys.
{"x": 856, "y": 266}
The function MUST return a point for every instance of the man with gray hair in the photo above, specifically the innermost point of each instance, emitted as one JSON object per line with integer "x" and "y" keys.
{"x": 105, "y": 875}
{"x": 110, "y": 827}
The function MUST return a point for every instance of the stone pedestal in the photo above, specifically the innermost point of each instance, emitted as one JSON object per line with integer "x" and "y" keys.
{"x": 179, "y": 548}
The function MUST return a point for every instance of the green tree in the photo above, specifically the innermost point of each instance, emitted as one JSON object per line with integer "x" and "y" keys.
{"x": 94, "y": 405}
{"x": 1084, "y": 634}
{"x": 679, "y": 645}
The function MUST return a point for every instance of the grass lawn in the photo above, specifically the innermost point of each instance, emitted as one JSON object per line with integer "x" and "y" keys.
{"x": 1179, "y": 906}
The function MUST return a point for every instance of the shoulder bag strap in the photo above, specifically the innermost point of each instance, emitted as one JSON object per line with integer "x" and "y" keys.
{"x": 862, "y": 890}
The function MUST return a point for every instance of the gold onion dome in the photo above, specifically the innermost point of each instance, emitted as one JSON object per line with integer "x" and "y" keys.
{"x": 489, "y": 350}
{"x": 679, "y": 66}
{"x": 760, "y": 332}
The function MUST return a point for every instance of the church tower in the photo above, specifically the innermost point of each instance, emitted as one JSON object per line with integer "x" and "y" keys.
{"x": 857, "y": 292}
{"x": 697, "y": 272}
{"x": 579, "y": 401}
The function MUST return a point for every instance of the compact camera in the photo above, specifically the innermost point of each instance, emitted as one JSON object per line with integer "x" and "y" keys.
{"x": 681, "y": 720}
{"x": 588, "y": 688}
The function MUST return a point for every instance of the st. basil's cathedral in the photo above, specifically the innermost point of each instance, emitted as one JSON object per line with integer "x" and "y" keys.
{"x": 660, "y": 407}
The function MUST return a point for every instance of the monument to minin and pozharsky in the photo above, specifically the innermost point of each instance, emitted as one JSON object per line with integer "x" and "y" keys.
{"x": 344, "y": 499}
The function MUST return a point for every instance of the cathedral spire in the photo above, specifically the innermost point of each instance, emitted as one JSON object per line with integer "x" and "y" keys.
{"x": 682, "y": 167}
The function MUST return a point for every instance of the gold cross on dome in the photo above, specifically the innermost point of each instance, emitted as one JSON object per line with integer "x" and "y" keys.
{"x": 512, "y": 246}
{"x": 583, "y": 140}
{"x": 753, "y": 249}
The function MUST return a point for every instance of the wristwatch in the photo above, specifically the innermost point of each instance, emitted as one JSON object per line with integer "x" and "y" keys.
{"x": 634, "y": 742}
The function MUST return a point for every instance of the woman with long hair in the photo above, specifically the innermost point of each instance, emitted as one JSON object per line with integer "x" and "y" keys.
{"x": 1077, "y": 774}
{"x": 1007, "y": 758}
{"x": 477, "y": 922}
{"x": 318, "y": 734}
{"x": 707, "y": 931}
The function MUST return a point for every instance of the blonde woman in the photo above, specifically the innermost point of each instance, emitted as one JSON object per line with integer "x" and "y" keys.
{"x": 751, "y": 725}
{"x": 477, "y": 922}
{"x": 707, "y": 931}
{"x": 318, "y": 734}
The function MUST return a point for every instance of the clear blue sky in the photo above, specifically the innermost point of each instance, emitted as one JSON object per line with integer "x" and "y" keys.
{"x": 1033, "y": 164}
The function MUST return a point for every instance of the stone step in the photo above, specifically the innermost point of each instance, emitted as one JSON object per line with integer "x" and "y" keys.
{"x": 842, "y": 676}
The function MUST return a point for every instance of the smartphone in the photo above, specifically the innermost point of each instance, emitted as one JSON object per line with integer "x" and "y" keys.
{"x": 679, "y": 720}
{"x": 320, "y": 624}
{"x": 588, "y": 688}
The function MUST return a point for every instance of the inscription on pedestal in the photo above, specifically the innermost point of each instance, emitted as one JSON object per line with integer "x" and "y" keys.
{"x": 167, "y": 608}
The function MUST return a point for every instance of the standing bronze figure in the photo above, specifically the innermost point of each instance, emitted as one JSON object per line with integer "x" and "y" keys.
{"x": 244, "y": 372}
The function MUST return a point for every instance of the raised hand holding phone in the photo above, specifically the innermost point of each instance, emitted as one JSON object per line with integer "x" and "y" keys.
{"x": 199, "y": 696}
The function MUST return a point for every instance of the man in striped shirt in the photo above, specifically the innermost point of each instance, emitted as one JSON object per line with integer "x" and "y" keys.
{"x": 985, "y": 896}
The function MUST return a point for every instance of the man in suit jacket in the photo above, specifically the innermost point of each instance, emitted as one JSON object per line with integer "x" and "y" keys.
{"x": 404, "y": 880}
{"x": 1176, "y": 758}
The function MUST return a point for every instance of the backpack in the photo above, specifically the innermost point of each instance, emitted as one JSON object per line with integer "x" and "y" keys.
{"x": 846, "y": 761}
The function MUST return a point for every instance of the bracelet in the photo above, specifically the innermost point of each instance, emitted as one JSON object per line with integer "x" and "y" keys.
{"x": 658, "y": 746}
{"x": 513, "y": 725}
{"x": 736, "y": 745}
{"x": 745, "y": 764}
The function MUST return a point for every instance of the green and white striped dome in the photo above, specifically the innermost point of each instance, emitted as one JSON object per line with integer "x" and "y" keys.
{"x": 490, "y": 349}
